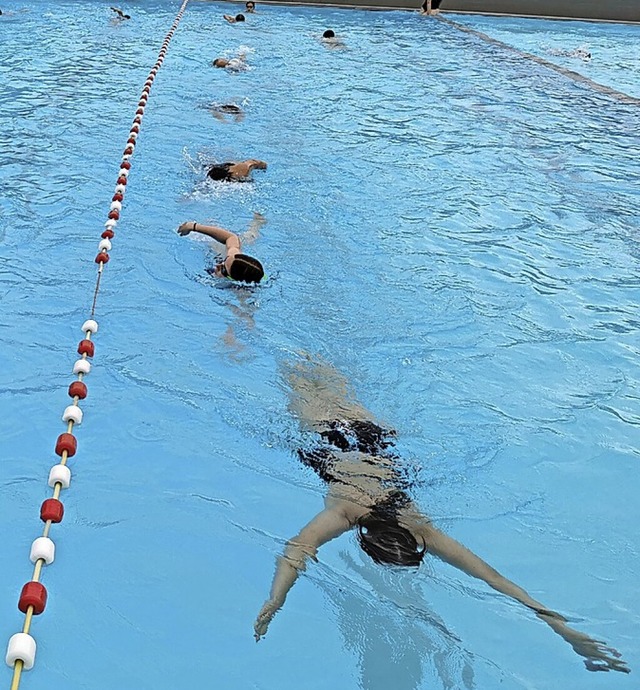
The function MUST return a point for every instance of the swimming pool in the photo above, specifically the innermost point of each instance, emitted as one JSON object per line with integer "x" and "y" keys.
{"x": 451, "y": 227}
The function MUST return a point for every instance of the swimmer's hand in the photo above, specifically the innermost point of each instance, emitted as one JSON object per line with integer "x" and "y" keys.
{"x": 268, "y": 611}
{"x": 598, "y": 656}
{"x": 186, "y": 228}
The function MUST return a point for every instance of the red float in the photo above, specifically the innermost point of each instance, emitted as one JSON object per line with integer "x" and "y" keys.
{"x": 122, "y": 179}
{"x": 52, "y": 510}
{"x": 102, "y": 258}
{"x": 131, "y": 140}
{"x": 117, "y": 196}
{"x": 66, "y": 442}
{"x": 114, "y": 214}
{"x": 126, "y": 165}
{"x": 108, "y": 235}
{"x": 86, "y": 347}
{"x": 78, "y": 389}
{"x": 140, "y": 111}
{"x": 35, "y": 595}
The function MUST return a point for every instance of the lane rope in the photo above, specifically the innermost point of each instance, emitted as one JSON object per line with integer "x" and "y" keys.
{"x": 21, "y": 650}
{"x": 575, "y": 76}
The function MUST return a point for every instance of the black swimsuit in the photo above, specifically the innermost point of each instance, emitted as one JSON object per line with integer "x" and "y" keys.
{"x": 366, "y": 437}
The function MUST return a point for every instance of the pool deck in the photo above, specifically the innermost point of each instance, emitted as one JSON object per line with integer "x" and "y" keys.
{"x": 620, "y": 11}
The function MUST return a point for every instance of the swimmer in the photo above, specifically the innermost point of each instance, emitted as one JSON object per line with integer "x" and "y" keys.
{"x": 578, "y": 53}
{"x": 430, "y": 7}
{"x": 329, "y": 39}
{"x": 234, "y": 20}
{"x": 250, "y": 7}
{"x": 235, "y": 171}
{"x": 367, "y": 491}
{"x": 120, "y": 14}
{"x": 236, "y": 64}
{"x": 235, "y": 265}
{"x": 221, "y": 111}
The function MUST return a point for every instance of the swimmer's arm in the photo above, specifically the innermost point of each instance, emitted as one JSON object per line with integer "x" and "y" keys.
{"x": 230, "y": 239}
{"x": 253, "y": 231}
{"x": 243, "y": 168}
{"x": 327, "y": 525}
{"x": 597, "y": 655}
{"x": 457, "y": 555}
{"x": 229, "y": 18}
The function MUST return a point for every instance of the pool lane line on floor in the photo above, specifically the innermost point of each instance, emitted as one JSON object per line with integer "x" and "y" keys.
{"x": 570, "y": 74}
{"x": 21, "y": 650}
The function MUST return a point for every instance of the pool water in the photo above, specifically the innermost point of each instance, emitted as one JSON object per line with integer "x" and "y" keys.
{"x": 452, "y": 227}
{"x": 615, "y": 54}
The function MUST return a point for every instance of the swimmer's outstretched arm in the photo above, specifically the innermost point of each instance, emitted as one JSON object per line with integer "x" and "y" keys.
{"x": 327, "y": 525}
{"x": 598, "y": 656}
{"x": 243, "y": 168}
{"x": 229, "y": 239}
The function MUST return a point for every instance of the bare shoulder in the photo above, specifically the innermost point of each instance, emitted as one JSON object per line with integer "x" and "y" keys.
{"x": 349, "y": 509}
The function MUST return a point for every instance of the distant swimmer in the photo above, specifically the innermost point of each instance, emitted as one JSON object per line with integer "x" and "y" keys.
{"x": 250, "y": 7}
{"x": 236, "y": 64}
{"x": 224, "y": 112}
{"x": 331, "y": 41}
{"x": 120, "y": 14}
{"x": 430, "y": 7}
{"x": 234, "y": 20}
{"x": 238, "y": 171}
{"x": 578, "y": 53}
{"x": 235, "y": 265}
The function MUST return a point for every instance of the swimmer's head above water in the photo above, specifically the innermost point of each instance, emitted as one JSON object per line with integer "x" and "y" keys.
{"x": 329, "y": 33}
{"x": 242, "y": 268}
{"x": 250, "y": 7}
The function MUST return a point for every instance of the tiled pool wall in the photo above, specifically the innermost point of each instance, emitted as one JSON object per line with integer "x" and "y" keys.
{"x": 621, "y": 11}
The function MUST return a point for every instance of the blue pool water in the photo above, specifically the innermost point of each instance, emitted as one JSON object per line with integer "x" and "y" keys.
{"x": 451, "y": 227}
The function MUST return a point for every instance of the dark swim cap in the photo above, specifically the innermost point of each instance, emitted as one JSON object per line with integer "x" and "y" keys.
{"x": 246, "y": 269}
{"x": 219, "y": 171}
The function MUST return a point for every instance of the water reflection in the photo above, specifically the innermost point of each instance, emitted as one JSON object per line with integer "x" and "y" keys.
{"x": 394, "y": 640}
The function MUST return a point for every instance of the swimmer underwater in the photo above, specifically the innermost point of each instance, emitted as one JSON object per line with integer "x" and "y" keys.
{"x": 367, "y": 491}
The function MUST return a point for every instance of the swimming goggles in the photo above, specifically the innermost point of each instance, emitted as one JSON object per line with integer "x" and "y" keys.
{"x": 223, "y": 271}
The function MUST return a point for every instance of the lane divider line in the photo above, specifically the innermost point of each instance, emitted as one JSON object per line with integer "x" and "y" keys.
{"x": 21, "y": 650}
{"x": 575, "y": 76}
